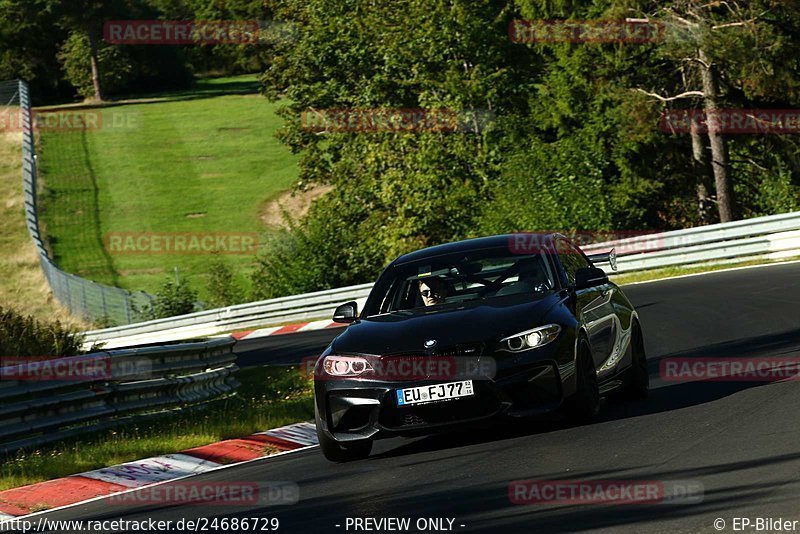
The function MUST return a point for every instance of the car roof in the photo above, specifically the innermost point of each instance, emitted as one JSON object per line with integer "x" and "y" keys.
{"x": 478, "y": 243}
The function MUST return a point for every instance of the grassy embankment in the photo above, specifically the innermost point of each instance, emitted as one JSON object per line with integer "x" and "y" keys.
{"x": 202, "y": 162}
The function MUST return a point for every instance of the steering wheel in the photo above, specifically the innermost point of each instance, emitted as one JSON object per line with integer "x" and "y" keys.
{"x": 493, "y": 286}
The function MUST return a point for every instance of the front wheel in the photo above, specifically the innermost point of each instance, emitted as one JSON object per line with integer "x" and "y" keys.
{"x": 584, "y": 405}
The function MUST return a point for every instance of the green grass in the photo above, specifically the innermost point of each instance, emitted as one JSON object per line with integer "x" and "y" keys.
{"x": 200, "y": 161}
{"x": 268, "y": 397}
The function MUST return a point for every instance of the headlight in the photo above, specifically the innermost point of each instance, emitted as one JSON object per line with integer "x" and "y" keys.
{"x": 530, "y": 339}
{"x": 345, "y": 365}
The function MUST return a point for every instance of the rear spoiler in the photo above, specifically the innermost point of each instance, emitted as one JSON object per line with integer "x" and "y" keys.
{"x": 609, "y": 257}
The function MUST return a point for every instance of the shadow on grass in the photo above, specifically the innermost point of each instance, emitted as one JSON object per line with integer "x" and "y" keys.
{"x": 201, "y": 90}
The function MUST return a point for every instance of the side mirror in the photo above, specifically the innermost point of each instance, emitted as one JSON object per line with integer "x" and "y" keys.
{"x": 346, "y": 313}
{"x": 590, "y": 277}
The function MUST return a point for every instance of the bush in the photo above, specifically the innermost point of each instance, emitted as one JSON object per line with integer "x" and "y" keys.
{"x": 769, "y": 190}
{"x": 555, "y": 186}
{"x": 175, "y": 297}
{"x": 25, "y": 336}
{"x": 222, "y": 289}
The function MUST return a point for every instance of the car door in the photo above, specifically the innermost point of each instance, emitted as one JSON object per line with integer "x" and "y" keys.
{"x": 593, "y": 306}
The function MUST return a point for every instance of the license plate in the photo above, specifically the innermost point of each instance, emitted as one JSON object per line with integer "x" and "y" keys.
{"x": 434, "y": 392}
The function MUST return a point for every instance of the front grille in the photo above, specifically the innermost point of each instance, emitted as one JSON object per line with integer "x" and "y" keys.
{"x": 456, "y": 362}
{"x": 473, "y": 350}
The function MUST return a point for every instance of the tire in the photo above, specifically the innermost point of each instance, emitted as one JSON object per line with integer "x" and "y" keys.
{"x": 338, "y": 452}
{"x": 637, "y": 383}
{"x": 584, "y": 405}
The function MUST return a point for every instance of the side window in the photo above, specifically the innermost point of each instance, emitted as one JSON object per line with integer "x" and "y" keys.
{"x": 571, "y": 259}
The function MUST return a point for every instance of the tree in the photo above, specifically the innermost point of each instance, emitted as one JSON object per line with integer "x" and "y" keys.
{"x": 409, "y": 189}
{"x": 29, "y": 41}
{"x": 112, "y": 72}
{"x": 572, "y": 146}
{"x": 86, "y": 17}
{"x": 733, "y": 52}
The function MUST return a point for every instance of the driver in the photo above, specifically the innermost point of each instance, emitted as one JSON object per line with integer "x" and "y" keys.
{"x": 432, "y": 290}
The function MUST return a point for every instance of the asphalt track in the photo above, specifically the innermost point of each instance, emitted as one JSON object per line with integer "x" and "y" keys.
{"x": 741, "y": 441}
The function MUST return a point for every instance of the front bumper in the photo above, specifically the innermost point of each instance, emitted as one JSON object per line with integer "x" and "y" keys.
{"x": 353, "y": 409}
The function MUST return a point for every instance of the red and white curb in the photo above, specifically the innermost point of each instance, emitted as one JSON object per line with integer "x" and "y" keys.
{"x": 287, "y": 329}
{"x": 129, "y": 476}
{"x": 171, "y": 336}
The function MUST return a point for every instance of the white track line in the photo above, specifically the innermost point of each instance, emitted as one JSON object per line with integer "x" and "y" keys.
{"x": 316, "y": 325}
{"x": 140, "y": 473}
{"x": 710, "y": 272}
{"x": 303, "y": 433}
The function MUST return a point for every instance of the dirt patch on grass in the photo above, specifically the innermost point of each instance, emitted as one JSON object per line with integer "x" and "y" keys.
{"x": 296, "y": 204}
{"x": 149, "y": 270}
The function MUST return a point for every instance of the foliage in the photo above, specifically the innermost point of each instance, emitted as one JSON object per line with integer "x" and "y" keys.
{"x": 29, "y": 44}
{"x": 175, "y": 297}
{"x": 555, "y": 186}
{"x": 22, "y": 335}
{"x": 574, "y": 145}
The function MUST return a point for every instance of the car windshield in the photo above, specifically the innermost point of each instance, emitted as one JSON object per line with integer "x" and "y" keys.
{"x": 440, "y": 282}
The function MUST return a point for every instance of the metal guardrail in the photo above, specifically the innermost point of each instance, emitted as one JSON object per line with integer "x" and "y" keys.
{"x": 101, "y": 390}
{"x": 85, "y": 298}
{"x": 240, "y": 317}
{"x": 773, "y": 236}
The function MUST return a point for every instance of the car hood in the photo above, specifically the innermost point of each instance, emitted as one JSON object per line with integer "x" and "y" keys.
{"x": 466, "y": 324}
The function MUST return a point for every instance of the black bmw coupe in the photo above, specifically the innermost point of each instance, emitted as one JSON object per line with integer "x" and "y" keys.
{"x": 506, "y": 326}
